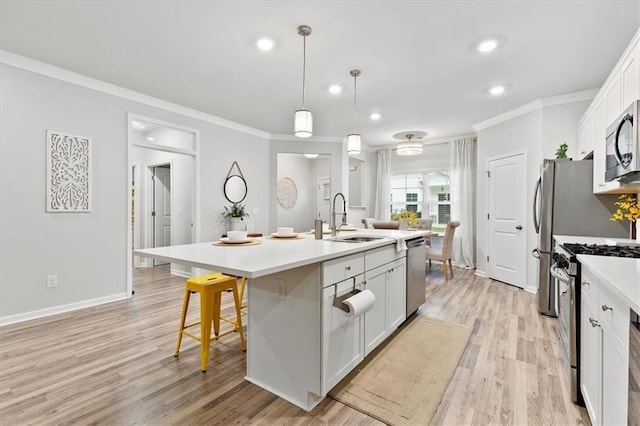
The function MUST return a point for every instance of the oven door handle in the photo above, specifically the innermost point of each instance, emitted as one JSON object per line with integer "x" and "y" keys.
{"x": 555, "y": 272}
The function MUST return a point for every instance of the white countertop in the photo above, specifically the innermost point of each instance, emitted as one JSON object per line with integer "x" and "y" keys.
{"x": 576, "y": 239}
{"x": 621, "y": 275}
{"x": 273, "y": 254}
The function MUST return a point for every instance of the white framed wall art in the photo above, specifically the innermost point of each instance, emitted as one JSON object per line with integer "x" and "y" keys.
{"x": 68, "y": 173}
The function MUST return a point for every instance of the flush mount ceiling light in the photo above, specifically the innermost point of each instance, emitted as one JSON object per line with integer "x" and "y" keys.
{"x": 303, "y": 118}
{"x": 497, "y": 90}
{"x": 354, "y": 142}
{"x": 409, "y": 147}
{"x": 311, "y": 155}
{"x": 487, "y": 46}
{"x": 265, "y": 44}
{"x": 375, "y": 116}
{"x": 335, "y": 89}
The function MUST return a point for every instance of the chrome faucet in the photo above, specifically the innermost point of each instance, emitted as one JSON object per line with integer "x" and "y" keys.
{"x": 334, "y": 229}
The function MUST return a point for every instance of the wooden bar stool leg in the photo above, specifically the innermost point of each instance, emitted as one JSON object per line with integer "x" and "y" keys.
{"x": 206, "y": 313}
{"x": 237, "y": 302}
{"x": 183, "y": 318}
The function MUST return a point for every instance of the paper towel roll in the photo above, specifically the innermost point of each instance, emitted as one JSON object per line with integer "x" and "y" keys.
{"x": 360, "y": 303}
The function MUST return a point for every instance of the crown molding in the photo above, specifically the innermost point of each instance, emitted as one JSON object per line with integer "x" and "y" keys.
{"x": 584, "y": 95}
{"x": 28, "y": 64}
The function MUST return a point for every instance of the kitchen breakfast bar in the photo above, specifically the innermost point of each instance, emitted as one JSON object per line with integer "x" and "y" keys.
{"x": 300, "y": 343}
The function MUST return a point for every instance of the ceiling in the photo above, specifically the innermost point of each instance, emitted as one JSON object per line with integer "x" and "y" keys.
{"x": 420, "y": 69}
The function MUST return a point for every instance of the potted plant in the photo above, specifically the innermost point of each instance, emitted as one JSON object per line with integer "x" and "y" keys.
{"x": 561, "y": 152}
{"x": 235, "y": 214}
{"x": 629, "y": 209}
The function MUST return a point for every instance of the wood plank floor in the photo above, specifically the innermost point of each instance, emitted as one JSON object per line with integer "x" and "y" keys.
{"x": 114, "y": 364}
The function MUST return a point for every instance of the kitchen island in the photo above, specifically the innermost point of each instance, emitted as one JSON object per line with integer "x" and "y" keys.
{"x": 299, "y": 345}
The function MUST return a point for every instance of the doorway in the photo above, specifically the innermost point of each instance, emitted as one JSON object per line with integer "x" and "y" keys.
{"x": 163, "y": 162}
{"x": 506, "y": 261}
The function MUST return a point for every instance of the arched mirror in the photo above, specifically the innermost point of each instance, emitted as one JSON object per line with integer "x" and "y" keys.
{"x": 235, "y": 188}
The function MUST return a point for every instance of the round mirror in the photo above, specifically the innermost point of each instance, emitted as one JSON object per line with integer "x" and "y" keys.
{"x": 235, "y": 188}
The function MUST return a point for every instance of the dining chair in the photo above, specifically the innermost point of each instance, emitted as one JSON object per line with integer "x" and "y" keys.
{"x": 386, "y": 224}
{"x": 444, "y": 254}
{"x": 425, "y": 225}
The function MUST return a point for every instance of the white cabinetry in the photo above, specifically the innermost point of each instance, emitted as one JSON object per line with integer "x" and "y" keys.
{"x": 342, "y": 335}
{"x": 620, "y": 89}
{"x": 387, "y": 282}
{"x": 604, "y": 352}
{"x": 347, "y": 340}
{"x": 586, "y": 137}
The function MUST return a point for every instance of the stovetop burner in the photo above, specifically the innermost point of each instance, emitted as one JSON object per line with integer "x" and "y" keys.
{"x": 603, "y": 250}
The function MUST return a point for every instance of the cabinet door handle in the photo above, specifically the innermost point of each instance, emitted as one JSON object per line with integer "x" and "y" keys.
{"x": 600, "y": 185}
{"x": 347, "y": 268}
{"x": 594, "y": 323}
{"x": 586, "y": 283}
{"x": 607, "y": 308}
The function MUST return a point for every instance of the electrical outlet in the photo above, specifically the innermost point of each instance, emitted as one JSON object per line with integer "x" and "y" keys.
{"x": 52, "y": 281}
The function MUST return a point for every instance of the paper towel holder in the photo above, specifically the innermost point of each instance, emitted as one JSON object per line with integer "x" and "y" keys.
{"x": 338, "y": 301}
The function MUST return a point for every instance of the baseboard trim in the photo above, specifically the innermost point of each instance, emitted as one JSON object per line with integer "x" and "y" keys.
{"x": 480, "y": 273}
{"x": 530, "y": 289}
{"x": 13, "y": 319}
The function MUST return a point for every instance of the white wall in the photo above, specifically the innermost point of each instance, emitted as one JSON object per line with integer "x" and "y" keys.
{"x": 537, "y": 133}
{"x": 338, "y": 183}
{"x": 433, "y": 157}
{"x": 87, "y": 251}
{"x": 300, "y": 170}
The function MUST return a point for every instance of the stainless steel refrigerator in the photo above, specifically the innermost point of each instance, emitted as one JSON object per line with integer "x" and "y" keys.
{"x": 564, "y": 204}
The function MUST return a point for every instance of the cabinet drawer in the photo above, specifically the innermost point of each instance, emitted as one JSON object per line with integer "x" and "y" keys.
{"x": 342, "y": 268}
{"x": 380, "y": 256}
{"x": 615, "y": 313}
{"x": 589, "y": 287}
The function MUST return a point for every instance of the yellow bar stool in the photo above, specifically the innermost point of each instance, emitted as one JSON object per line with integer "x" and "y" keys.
{"x": 210, "y": 288}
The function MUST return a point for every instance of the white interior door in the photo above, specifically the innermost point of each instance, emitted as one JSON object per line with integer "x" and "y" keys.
{"x": 161, "y": 213}
{"x": 506, "y": 258}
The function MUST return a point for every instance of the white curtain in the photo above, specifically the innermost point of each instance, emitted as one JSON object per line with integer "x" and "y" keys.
{"x": 462, "y": 181}
{"x": 383, "y": 186}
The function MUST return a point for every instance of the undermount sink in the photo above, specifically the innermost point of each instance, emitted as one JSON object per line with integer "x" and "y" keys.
{"x": 356, "y": 239}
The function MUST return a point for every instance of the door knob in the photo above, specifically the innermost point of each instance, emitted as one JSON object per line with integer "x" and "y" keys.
{"x": 519, "y": 227}
{"x": 607, "y": 308}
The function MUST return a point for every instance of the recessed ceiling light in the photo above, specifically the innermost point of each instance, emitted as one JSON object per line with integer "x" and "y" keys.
{"x": 151, "y": 139}
{"x": 487, "y": 46}
{"x": 311, "y": 155}
{"x": 265, "y": 44}
{"x": 375, "y": 116}
{"x": 497, "y": 90}
{"x": 335, "y": 89}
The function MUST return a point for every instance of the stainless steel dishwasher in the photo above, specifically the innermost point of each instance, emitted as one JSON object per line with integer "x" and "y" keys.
{"x": 415, "y": 274}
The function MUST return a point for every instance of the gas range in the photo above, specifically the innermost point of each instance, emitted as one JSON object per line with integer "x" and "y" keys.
{"x": 601, "y": 250}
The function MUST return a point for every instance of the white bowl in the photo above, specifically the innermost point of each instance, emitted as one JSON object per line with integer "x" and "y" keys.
{"x": 286, "y": 230}
{"x": 236, "y": 235}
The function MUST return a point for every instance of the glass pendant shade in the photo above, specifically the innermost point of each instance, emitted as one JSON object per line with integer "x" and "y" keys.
{"x": 303, "y": 123}
{"x": 354, "y": 144}
{"x": 409, "y": 148}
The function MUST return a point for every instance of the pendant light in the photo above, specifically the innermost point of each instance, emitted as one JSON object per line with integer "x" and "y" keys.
{"x": 303, "y": 118}
{"x": 354, "y": 142}
{"x": 409, "y": 147}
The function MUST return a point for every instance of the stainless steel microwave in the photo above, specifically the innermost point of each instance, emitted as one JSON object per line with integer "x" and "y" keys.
{"x": 623, "y": 150}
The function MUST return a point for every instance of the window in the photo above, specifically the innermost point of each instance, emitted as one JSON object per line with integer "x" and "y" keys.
{"x": 426, "y": 194}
